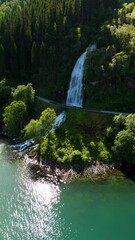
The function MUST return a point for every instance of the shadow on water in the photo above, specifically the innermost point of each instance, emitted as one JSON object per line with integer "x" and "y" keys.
{"x": 129, "y": 172}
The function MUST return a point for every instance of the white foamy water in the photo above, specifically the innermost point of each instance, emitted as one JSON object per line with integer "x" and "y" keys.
{"x": 75, "y": 91}
{"x": 59, "y": 119}
{"x": 22, "y": 146}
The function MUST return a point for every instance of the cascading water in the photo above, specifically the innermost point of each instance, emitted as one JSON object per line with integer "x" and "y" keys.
{"x": 75, "y": 91}
{"x": 74, "y": 95}
{"x": 22, "y": 146}
{"x": 59, "y": 119}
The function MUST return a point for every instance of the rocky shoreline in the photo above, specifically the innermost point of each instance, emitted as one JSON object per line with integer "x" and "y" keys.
{"x": 68, "y": 172}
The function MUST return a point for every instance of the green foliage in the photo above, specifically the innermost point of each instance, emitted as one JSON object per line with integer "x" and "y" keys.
{"x": 5, "y": 92}
{"x": 130, "y": 123}
{"x": 85, "y": 154}
{"x": 14, "y": 117}
{"x": 37, "y": 129}
{"x": 47, "y": 119}
{"x": 25, "y": 93}
{"x": 94, "y": 59}
{"x": 119, "y": 65}
{"x": 118, "y": 124}
{"x": 110, "y": 70}
{"x": 93, "y": 150}
{"x": 5, "y": 95}
{"x": 124, "y": 147}
{"x": 63, "y": 150}
{"x": 33, "y": 130}
{"x": 2, "y": 61}
{"x": 120, "y": 138}
{"x": 76, "y": 140}
{"x": 41, "y": 40}
{"x": 103, "y": 153}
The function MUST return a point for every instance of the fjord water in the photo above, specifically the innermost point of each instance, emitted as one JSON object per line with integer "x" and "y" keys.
{"x": 34, "y": 210}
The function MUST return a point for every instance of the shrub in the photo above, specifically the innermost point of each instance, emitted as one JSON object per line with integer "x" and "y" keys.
{"x": 124, "y": 146}
{"x": 14, "y": 117}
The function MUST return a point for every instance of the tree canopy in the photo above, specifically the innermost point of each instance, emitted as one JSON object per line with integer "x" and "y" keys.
{"x": 38, "y": 129}
{"x": 15, "y": 117}
{"x": 5, "y": 95}
{"x": 41, "y": 40}
{"x": 120, "y": 138}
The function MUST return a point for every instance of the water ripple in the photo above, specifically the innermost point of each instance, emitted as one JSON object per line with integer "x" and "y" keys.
{"x": 30, "y": 211}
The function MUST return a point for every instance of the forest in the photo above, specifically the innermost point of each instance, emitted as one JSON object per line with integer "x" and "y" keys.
{"x": 40, "y": 42}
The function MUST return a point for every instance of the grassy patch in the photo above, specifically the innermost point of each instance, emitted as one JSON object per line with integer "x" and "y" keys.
{"x": 120, "y": 99}
{"x": 88, "y": 125}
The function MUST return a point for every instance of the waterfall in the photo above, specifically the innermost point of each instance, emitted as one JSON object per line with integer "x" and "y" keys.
{"x": 59, "y": 119}
{"x": 74, "y": 95}
{"x": 22, "y": 146}
{"x": 75, "y": 91}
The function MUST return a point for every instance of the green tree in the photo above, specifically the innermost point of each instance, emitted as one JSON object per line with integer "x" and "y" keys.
{"x": 120, "y": 138}
{"x": 103, "y": 153}
{"x": 47, "y": 119}
{"x": 25, "y": 93}
{"x": 35, "y": 57}
{"x": 22, "y": 61}
{"x": 124, "y": 147}
{"x": 117, "y": 125}
{"x": 13, "y": 59}
{"x": 14, "y": 117}
{"x": 5, "y": 95}
{"x": 119, "y": 65}
{"x": 38, "y": 129}
{"x": 33, "y": 130}
{"x": 2, "y": 61}
{"x": 43, "y": 59}
{"x": 130, "y": 123}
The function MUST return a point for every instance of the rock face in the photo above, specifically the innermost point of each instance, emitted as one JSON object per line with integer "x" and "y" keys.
{"x": 38, "y": 171}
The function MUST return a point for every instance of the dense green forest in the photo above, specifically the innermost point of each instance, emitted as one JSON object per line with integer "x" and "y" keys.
{"x": 41, "y": 40}
{"x": 83, "y": 138}
{"x": 110, "y": 71}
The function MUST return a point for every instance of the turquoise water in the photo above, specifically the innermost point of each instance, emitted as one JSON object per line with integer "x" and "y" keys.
{"x": 32, "y": 210}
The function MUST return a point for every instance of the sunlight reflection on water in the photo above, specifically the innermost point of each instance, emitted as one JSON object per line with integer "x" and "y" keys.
{"x": 30, "y": 210}
{"x": 39, "y": 210}
{"x": 37, "y": 215}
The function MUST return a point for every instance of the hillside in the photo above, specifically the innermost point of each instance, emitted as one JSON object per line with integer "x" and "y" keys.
{"x": 40, "y": 43}
{"x": 41, "y": 40}
{"x": 110, "y": 71}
